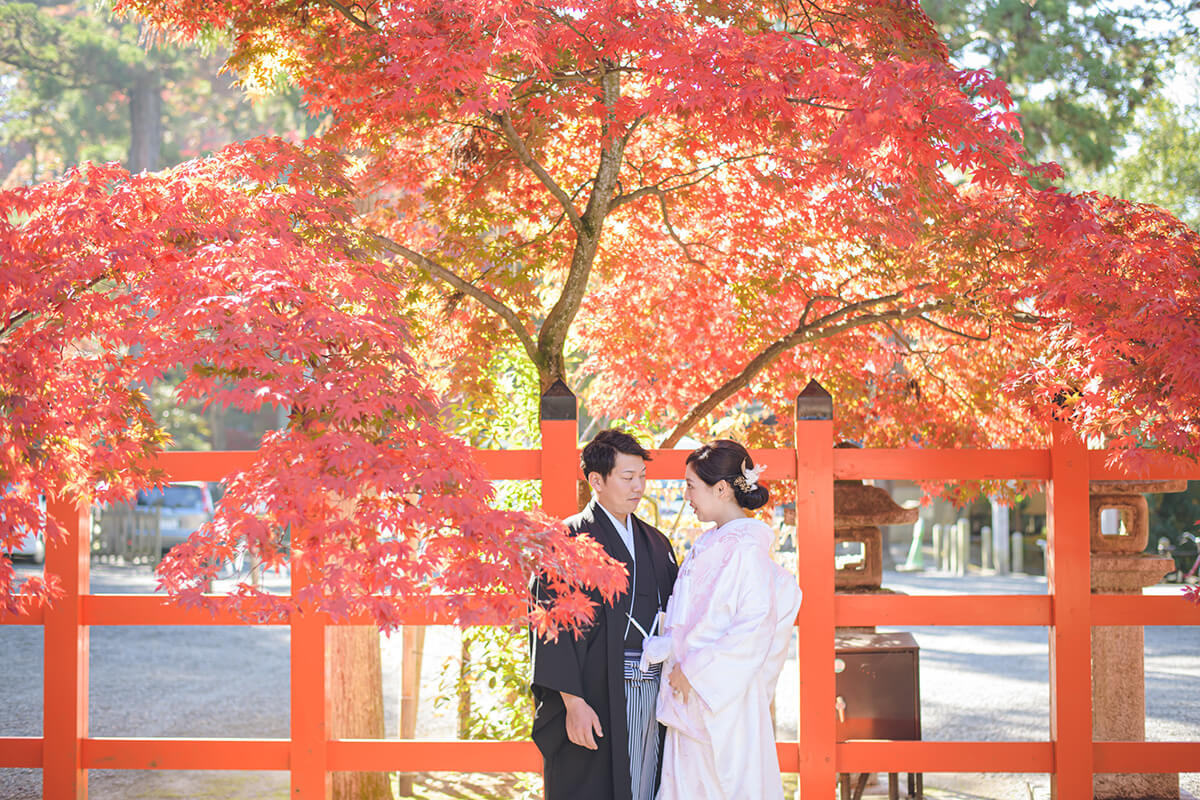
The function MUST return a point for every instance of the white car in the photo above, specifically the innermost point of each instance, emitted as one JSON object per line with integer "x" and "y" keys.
{"x": 33, "y": 546}
{"x": 182, "y": 508}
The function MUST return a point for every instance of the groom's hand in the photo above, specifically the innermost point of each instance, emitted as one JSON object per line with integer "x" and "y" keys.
{"x": 582, "y": 721}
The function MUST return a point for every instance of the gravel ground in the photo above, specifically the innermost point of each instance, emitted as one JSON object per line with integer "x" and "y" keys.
{"x": 981, "y": 684}
{"x": 992, "y": 683}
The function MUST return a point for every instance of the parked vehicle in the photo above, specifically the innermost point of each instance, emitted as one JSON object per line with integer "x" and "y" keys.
{"x": 155, "y": 522}
{"x": 33, "y": 546}
{"x": 181, "y": 507}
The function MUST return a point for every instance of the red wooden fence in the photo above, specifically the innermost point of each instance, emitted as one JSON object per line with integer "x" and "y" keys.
{"x": 65, "y": 751}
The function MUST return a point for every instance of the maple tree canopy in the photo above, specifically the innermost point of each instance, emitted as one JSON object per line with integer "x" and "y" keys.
{"x": 704, "y": 203}
{"x": 241, "y": 269}
{"x": 714, "y": 201}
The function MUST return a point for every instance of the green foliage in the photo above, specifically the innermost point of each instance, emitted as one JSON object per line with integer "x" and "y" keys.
{"x": 489, "y": 684}
{"x": 71, "y": 74}
{"x": 503, "y": 413}
{"x": 1172, "y": 515}
{"x": 63, "y": 73}
{"x": 1162, "y": 163}
{"x": 494, "y": 680}
{"x": 1077, "y": 69}
{"x": 183, "y": 421}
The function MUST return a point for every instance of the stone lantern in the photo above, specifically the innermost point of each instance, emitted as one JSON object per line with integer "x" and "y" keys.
{"x": 858, "y": 511}
{"x": 1119, "y": 529}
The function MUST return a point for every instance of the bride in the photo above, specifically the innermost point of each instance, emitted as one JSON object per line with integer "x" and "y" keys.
{"x": 724, "y": 640}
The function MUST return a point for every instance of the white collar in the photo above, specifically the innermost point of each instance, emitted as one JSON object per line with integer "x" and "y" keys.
{"x": 625, "y": 532}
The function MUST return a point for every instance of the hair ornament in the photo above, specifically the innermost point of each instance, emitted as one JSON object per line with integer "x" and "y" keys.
{"x": 748, "y": 480}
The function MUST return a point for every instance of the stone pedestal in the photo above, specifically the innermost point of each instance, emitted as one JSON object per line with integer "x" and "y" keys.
{"x": 1118, "y": 676}
{"x": 858, "y": 511}
{"x": 1119, "y": 531}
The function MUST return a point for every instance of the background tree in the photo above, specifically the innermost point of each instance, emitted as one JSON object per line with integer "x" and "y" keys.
{"x": 587, "y": 126}
{"x": 109, "y": 280}
{"x": 1162, "y": 165}
{"x": 80, "y": 84}
{"x": 1172, "y": 515}
{"x": 1079, "y": 70}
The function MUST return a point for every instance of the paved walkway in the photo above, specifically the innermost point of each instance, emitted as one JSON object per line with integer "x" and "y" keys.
{"x": 991, "y": 684}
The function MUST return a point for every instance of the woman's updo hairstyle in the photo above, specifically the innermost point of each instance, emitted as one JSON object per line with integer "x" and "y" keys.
{"x": 726, "y": 460}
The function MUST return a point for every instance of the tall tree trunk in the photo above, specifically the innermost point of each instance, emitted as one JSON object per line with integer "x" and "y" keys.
{"x": 413, "y": 644}
{"x": 464, "y": 689}
{"x": 145, "y": 123}
{"x": 355, "y": 669}
{"x": 217, "y": 415}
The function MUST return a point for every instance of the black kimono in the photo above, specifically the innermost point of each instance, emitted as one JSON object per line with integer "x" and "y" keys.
{"x": 591, "y": 665}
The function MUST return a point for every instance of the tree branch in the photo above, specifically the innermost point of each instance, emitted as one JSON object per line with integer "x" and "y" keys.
{"x": 813, "y": 301}
{"x": 466, "y": 287}
{"x": 923, "y": 357}
{"x": 956, "y": 332}
{"x": 518, "y": 145}
{"x": 658, "y": 188}
{"x": 14, "y": 321}
{"x": 684, "y": 246}
{"x": 553, "y": 333}
{"x": 346, "y": 12}
{"x": 852, "y": 307}
{"x": 801, "y": 335}
{"x": 806, "y": 102}
{"x": 565, "y": 20}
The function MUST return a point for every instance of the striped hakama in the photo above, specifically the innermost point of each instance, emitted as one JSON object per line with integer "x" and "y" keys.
{"x": 641, "y": 697}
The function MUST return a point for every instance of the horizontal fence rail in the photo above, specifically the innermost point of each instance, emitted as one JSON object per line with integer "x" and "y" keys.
{"x": 1069, "y": 610}
{"x": 394, "y": 755}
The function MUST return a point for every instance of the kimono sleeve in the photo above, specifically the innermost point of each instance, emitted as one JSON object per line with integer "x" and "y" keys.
{"x": 726, "y": 648}
{"x": 558, "y": 663}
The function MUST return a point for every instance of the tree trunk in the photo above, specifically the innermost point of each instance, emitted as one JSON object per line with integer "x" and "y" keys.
{"x": 217, "y": 415}
{"x": 355, "y": 669}
{"x": 413, "y": 644}
{"x": 145, "y": 123}
{"x": 464, "y": 690}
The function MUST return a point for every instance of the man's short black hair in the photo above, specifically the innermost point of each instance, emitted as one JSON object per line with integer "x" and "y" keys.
{"x": 600, "y": 454}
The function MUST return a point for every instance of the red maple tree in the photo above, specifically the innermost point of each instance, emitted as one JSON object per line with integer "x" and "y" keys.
{"x": 714, "y": 201}
{"x": 242, "y": 270}
{"x": 707, "y": 202}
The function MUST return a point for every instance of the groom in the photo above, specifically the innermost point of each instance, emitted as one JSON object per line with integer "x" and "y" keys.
{"x": 594, "y": 720}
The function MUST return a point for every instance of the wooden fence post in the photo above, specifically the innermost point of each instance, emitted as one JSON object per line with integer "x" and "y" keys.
{"x": 1068, "y": 576}
{"x": 65, "y": 642}
{"x": 814, "y": 566}
{"x": 560, "y": 451}
{"x": 309, "y": 760}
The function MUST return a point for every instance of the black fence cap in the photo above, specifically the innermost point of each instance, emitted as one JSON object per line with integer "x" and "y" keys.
{"x": 558, "y": 403}
{"x": 814, "y": 402}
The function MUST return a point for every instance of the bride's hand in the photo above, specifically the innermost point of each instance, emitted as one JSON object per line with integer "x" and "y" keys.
{"x": 679, "y": 683}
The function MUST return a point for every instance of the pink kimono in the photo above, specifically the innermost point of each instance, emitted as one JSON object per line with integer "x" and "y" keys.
{"x": 728, "y": 624}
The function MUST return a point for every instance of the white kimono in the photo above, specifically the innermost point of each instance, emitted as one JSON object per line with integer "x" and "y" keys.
{"x": 728, "y": 624}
